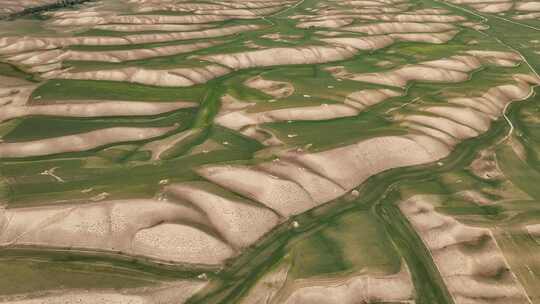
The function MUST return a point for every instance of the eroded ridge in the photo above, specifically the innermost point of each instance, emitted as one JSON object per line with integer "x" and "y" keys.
{"x": 46, "y": 55}
{"x": 185, "y": 224}
{"x": 213, "y": 123}
{"x": 520, "y": 10}
{"x": 466, "y": 117}
{"x": 177, "y": 292}
{"x": 294, "y": 183}
{"x": 468, "y": 258}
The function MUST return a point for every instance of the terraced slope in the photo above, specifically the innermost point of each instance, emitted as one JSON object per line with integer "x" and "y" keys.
{"x": 267, "y": 152}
